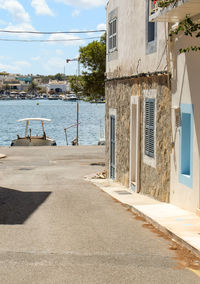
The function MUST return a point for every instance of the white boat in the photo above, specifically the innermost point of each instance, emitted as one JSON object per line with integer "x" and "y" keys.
{"x": 70, "y": 98}
{"x": 53, "y": 97}
{"x": 29, "y": 140}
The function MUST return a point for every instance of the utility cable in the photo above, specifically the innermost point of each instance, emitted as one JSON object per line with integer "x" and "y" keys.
{"x": 51, "y": 33}
{"x": 47, "y": 40}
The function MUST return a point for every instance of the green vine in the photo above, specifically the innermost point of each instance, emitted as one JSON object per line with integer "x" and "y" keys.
{"x": 164, "y": 3}
{"x": 189, "y": 28}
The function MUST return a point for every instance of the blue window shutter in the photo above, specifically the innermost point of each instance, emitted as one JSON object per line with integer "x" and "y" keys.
{"x": 149, "y": 127}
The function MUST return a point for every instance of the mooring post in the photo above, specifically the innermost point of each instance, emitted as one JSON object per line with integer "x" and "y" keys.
{"x": 77, "y": 107}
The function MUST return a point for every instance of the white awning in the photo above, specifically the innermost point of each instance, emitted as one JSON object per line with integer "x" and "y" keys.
{"x": 35, "y": 119}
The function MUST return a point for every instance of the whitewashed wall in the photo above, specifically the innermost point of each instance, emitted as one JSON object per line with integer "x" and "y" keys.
{"x": 185, "y": 90}
{"x": 131, "y": 57}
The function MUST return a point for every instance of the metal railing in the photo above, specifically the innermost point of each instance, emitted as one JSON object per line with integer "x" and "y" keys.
{"x": 75, "y": 140}
{"x": 153, "y": 7}
{"x": 157, "y": 5}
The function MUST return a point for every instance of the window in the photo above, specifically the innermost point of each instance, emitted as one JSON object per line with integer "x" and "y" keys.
{"x": 112, "y": 34}
{"x": 151, "y": 33}
{"x": 149, "y": 127}
{"x": 186, "y": 145}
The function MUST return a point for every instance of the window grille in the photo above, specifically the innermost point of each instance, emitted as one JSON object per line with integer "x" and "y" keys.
{"x": 113, "y": 34}
{"x": 149, "y": 127}
{"x": 153, "y": 7}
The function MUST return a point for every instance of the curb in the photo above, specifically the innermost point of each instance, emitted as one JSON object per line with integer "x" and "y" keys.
{"x": 164, "y": 230}
{"x": 148, "y": 219}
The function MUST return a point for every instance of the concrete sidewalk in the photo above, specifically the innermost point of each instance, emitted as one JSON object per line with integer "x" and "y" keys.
{"x": 182, "y": 226}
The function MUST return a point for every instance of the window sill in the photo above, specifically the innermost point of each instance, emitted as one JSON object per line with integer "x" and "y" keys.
{"x": 186, "y": 176}
{"x": 112, "y": 50}
{"x": 187, "y": 180}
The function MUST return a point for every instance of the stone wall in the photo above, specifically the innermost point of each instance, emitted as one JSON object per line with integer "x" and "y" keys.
{"x": 118, "y": 97}
{"x": 154, "y": 181}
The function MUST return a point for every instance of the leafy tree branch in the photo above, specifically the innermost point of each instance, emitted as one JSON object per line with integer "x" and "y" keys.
{"x": 93, "y": 59}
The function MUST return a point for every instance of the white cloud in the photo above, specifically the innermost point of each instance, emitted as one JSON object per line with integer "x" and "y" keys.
{"x": 54, "y": 64}
{"x": 9, "y": 68}
{"x": 16, "y": 9}
{"x": 59, "y": 52}
{"x": 21, "y": 19}
{"x": 76, "y": 13}
{"x": 22, "y": 27}
{"x": 3, "y": 23}
{"x": 22, "y": 64}
{"x": 69, "y": 39}
{"x": 5, "y": 57}
{"x": 83, "y": 3}
{"x": 41, "y": 7}
{"x": 36, "y": 58}
{"x": 101, "y": 27}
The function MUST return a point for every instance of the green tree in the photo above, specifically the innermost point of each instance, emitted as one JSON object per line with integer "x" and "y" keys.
{"x": 4, "y": 73}
{"x": 42, "y": 90}
{"x": 58, "y": 77}
{"x": 93, "y": 58}
{"x": 77, "y": 84}
{"x": 33, "y": 88}
{"x": 6, "y": 88}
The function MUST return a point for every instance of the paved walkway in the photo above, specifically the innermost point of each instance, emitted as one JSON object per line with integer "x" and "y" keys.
{"x": 182, "y": 225}
{"x": 58, "y": 228}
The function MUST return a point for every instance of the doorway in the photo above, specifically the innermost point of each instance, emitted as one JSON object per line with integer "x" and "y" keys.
{"x": 134, "y": 143}
{"x": 112, "y": 146}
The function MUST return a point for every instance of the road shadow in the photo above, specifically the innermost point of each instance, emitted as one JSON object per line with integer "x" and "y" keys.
{"x": 16, "y": 206}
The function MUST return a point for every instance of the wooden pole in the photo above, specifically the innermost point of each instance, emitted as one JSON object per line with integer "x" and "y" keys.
{"x": 77, "y": 107}
{"x": 78, "y": 103}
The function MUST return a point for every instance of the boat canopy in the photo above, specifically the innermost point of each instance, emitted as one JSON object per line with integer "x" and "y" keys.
{"x": 36, "y": 119}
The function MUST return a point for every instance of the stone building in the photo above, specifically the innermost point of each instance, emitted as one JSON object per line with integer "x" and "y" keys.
{"x": 148, "y": 94}
{"x": 138, "y": 101}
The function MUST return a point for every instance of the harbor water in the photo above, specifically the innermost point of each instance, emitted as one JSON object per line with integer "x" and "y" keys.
{"x": 62, "y": 113}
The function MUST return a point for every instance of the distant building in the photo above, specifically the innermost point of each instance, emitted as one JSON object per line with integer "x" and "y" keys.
{"x": 37, "y": 80}
{"x": 25, "y": 79}
{"x": 57, "y": 86}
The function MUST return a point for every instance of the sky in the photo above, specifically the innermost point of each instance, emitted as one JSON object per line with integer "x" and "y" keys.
{"x": 46, "y": 16}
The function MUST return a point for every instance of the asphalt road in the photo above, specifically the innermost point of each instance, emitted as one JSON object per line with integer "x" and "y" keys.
{"x": 57, "y": 228}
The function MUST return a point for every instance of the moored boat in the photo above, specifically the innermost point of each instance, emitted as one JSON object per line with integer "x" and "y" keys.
{"x": 29, "y": 140}
{"x": 70, "y": 98}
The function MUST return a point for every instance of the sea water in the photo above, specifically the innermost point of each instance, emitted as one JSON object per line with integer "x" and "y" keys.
{"x": 62, "y": 114}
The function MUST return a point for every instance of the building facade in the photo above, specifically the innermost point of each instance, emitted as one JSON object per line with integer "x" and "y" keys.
{"x": 138, "y": 102}
{"x": 152, "y": 128}
{"x": 185, "y": 86}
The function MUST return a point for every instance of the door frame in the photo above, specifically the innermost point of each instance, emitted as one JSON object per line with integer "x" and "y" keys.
{"x": 112, "y": 112}
{"x": 135, "y": 100}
